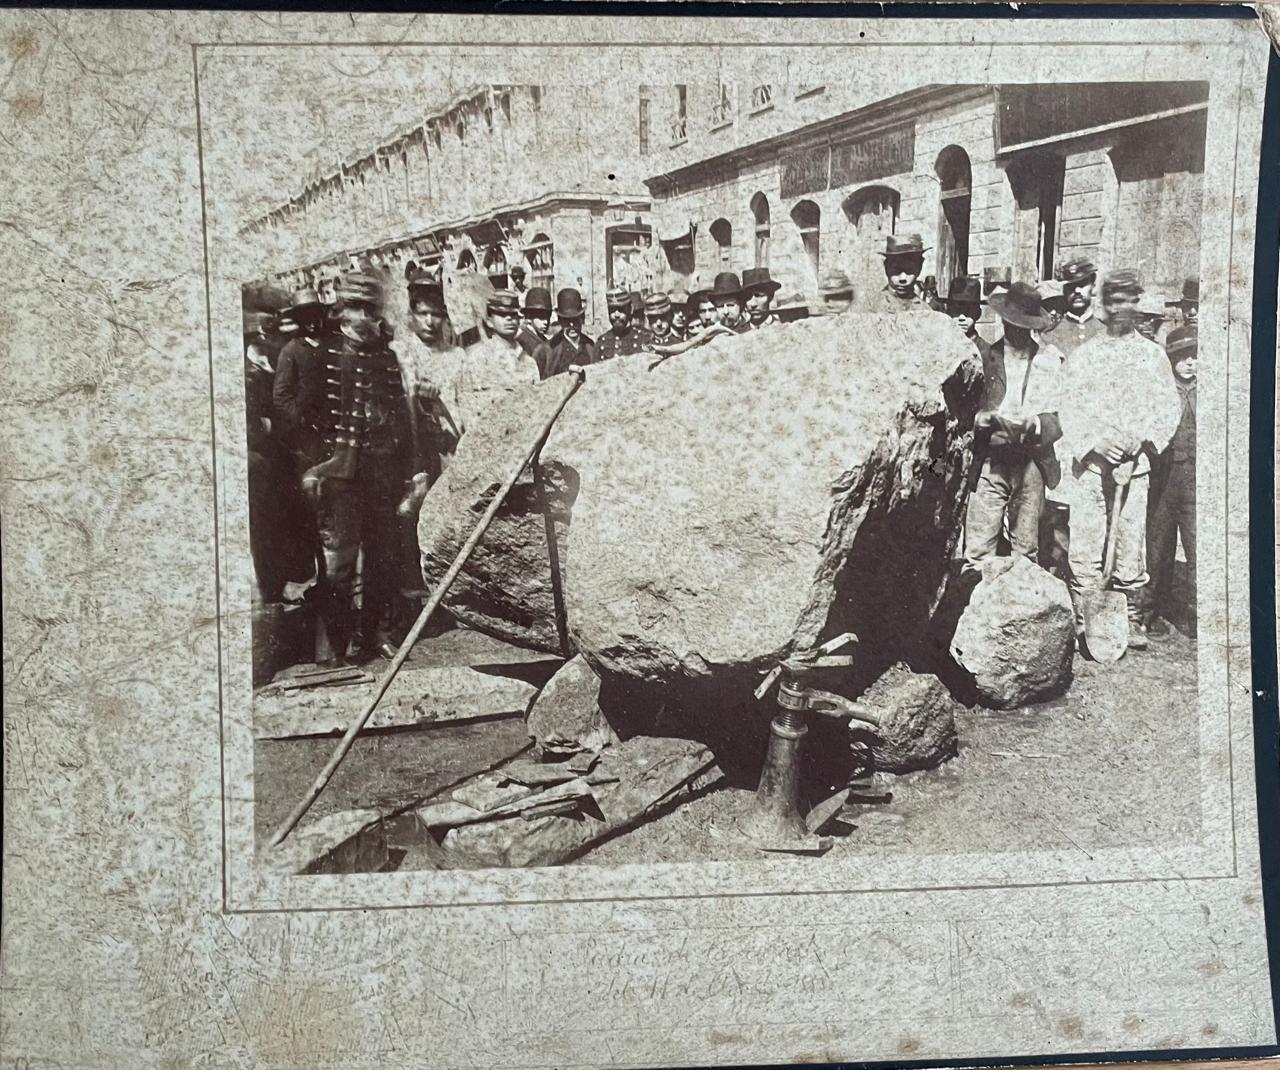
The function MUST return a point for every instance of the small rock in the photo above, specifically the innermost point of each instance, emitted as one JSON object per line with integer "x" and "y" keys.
{"x": 1017, "y": 636}
{"x": 918, "y": 721}
{"x": 566, "y": 714}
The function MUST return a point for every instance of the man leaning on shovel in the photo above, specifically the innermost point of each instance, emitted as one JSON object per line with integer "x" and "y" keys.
{"x": 1119, "y": 409}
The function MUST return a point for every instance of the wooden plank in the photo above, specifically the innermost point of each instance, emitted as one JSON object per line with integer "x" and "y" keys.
{"x": 417, "y": 696}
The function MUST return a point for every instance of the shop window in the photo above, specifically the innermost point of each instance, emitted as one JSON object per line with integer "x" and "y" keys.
{"x": 627, "y": 258}
{"x": 540, "y": 254}
{"x": 760, "y": 211}
{"x": 807, "y": 217}
{"x": 955, "y": 176}
{"x": 1037, "y": 181}
{"x": 722, "y": 234}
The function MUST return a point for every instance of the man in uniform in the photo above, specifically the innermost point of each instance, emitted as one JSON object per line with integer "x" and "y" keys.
{"x": 623, "y": 336}
{"x": 835, "y": 294}
{"x": 1014, "y": 431}
{"x": 1119, "y": 409}
{"x": 365, "y": 427}
{"x": 679, "y": 315}
{"x": 758, "y": 288}
{"x": 1079, "y": 324}
{"x": 657, "y": 314}
{"x": 570, "y": 346}
{"x": 726, "y": 292}
{"x": 903, "y": 262}
{"x": 963, "y": 304}
{"x": 536, "y": 329}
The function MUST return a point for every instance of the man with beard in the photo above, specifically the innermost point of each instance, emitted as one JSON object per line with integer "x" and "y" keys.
{"x": 1079, "y": 324}
{"x": 536, "y": 328}
{"x": 623, "y": 337}
{"x": 366, "y": 432}
{"x": 570, "y": 347}
{"x": 758, "y": 288}
{"x": 903, "y": 262}
{"x": 726, "y": 292}
{"x": 657, "y": 314}
{"x": 1119, "y": 409}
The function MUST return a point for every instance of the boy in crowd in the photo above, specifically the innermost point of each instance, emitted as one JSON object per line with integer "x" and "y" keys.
{"x": 1173, "y": 492}
{"x": 1015, "y": 429}
{"x": 963, "y": 304}
{"x": 1119, "y": 409}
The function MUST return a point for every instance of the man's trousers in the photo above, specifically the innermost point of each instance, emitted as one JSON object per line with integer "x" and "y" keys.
{"x": 1009, "y": 483}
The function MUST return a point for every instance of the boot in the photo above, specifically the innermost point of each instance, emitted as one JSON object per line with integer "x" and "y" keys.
{"x": 1137, "y": 621}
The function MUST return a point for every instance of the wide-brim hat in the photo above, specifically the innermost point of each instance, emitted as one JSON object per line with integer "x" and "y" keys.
{"x": 302, "y": 298}
{"x": 758, "y": 278}
{"x": 618, "y": 298}
{"x": 1076, "y": 270}
{"x": 538, "y": 299}
{"x": 834, "y": 283}
{"x": 1182, "y": 342}
{"x": 1021, "y": 306}
{"x": 904, "y": 245}
{"x": 1190, "y": 294}
{"x": 727, "y": 284}
{"x": 657, "y": 304}
{"x": 569, "y": 304}
{"x": 963, "y": 290}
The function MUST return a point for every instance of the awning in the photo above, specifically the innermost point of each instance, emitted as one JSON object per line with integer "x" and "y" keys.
{"x": 488, "y": 233}
{"x": 672, "y": 226}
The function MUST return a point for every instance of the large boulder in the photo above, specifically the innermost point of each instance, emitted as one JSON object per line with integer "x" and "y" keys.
{"x": 1016, "y": 637}
{"x": 714, "y": 513}
{"x": 917, "y": 727}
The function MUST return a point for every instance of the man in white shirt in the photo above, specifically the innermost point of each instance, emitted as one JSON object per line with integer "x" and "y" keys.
{"x": 496, "y": 364}
{"x": 1120, "y": 407}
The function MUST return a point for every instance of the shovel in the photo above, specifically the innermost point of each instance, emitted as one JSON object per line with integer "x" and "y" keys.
{"x": 1106, "y": 613}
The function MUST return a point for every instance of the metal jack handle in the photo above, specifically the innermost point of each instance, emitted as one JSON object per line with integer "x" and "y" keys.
{"x": 775, "y": 819}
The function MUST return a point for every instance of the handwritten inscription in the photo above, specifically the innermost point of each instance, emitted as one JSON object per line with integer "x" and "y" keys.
{"x": 726, "y": 976}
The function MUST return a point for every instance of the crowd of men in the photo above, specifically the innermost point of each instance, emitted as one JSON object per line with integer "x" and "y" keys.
{"x": 1087, "y": 401}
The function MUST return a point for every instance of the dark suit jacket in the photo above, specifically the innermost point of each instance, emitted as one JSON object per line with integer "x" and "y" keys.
{"x": 556, "y": 357}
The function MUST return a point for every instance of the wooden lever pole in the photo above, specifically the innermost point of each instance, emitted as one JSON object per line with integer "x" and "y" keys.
{"x": 446, "y": 581}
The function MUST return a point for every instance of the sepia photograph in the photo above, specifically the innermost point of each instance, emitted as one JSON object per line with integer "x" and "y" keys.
{"x": 545, "y": 542}
{"x": 872, "y": 525}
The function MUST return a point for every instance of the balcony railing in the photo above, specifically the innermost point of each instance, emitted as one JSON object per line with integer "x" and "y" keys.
{"x": 722, "y": 111}
{"x": 761, "y": 97}
{"x": 679, "y": 129}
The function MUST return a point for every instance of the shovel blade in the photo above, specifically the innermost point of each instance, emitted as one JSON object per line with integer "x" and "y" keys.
{"x": 1106, "y": 624}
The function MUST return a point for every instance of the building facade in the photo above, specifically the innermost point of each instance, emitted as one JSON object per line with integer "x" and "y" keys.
{"x": 547, "y": 177}
{"x": 999, "y": 180}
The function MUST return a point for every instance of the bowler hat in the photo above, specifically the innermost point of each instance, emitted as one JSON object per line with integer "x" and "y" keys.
{"x": 1182, "y": 342}
{"x": 618, "y": 297}
{"x": 569, "y": 304}
{"x": 904, "y": 245}
{"x": 361, "y": 288}
{"x": 964, "y": 290}
{"x": 834, "y": 283}
{"x": 758, "y": 278}
{"x": 1021, "y": 306}
{"x": 1190, "y": 294}
{"x": 727, "y": 284}
{"x": 657, "y": 304}
{"x": 538, "y": 299}
{"x": 504, "y": 301}
{"x": 1077, "y": 269}
{"x": 303, "y": 297}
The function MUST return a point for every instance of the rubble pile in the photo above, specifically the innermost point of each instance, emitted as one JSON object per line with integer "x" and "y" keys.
{"x": 734, "y": 504}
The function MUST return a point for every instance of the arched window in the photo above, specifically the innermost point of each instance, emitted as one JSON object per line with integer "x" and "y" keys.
{"x": 760, "y": 210}
{"x": 466, "y": 260}
{"x": 873, "y": 211}
{"x": 955, "y": 178}
{"x": 722, "y": 235}
{"x": 807, "y": 217}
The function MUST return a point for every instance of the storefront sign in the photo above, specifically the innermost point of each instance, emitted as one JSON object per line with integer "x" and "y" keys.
{"x": 890, "y": 152}
{"x": 806, "y": 171}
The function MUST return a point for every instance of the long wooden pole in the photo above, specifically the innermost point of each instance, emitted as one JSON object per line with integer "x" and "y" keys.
{"x": 442, "y": 588}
